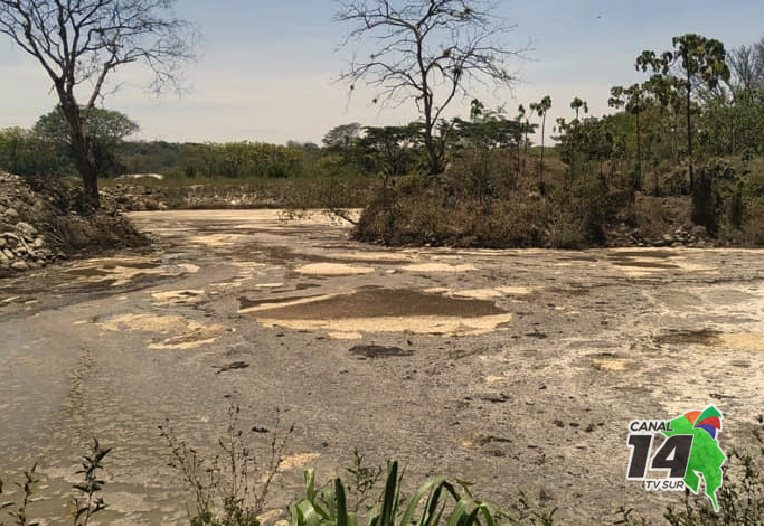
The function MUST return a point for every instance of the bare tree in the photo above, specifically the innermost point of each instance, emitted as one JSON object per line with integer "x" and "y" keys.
{"x": 747, "y": 67}
{"x": 428, "y": 51}
{"x": 80, "y": 43}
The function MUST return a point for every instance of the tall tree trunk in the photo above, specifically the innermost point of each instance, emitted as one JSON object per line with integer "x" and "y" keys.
{"x": 525, "y": 146}
{"x": 639, "y": 153}
{"x": 433, "y": 153}
{"x": 689, "y": 129}
{"x": 541, "y": 159}
{"x": 83, "y": 154}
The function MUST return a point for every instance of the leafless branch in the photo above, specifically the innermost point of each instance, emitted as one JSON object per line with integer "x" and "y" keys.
{"x": 428, "y": 51}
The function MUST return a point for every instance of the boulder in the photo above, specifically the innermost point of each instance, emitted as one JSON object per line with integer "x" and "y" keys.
{"x": 20, "y": 266}
{"x": 25, "y": 229}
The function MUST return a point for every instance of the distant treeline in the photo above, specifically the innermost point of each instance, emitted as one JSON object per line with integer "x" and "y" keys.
{"x": 706, "y": 107}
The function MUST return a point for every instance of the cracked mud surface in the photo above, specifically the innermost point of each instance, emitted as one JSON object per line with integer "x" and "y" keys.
{"x": 512, "y": 369}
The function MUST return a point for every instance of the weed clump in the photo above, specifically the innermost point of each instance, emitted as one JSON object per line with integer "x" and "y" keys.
{"x": 230, "y": 488}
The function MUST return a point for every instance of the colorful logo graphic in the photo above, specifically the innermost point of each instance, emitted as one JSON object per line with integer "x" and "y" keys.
{"x": 686, "y": 451}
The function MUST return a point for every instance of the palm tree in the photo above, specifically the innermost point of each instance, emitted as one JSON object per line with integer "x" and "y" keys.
{"x": 542, "y": 108}
{"x": 698, "y": 61}
{"x": 522, "y": 115}
{"x": 631, "y": 99}
{"x": 577, "y": 105}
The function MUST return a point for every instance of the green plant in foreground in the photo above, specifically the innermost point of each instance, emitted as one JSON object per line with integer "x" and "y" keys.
{"x": 18, "y": 512}
{"x": 88, "y": 503}
{"x": 231, "y": 489}
{"x": 437, "y": 500}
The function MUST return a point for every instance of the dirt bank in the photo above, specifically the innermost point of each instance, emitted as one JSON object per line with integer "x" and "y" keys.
{"x": 41, "y": 222}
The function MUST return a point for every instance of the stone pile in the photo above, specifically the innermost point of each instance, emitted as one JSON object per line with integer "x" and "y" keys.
{"x": 684, "y": 236}
{"x": 22, "y": 244}
{"x": 132, "y": 198}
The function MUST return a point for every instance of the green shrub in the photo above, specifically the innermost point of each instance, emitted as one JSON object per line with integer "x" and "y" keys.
{"x": 438, "y": 500}
{"x": 704, "y": 201}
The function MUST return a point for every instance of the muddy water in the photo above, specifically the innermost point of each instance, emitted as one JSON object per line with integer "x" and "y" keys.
{"x": 513, "y": 369}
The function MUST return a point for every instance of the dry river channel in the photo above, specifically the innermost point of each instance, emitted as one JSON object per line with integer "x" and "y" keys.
{"x": 511, "y": 369}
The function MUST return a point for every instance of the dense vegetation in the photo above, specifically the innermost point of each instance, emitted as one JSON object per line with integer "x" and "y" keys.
{"x": 682, "y": 148}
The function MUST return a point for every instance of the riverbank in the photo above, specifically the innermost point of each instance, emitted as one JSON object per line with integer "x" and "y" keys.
{"x": 41, "y": 222}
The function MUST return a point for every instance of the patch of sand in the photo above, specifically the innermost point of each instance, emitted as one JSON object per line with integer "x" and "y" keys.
{"x": 284, "y": 304}
{"x": 743, "y": 341}
{"x": 333, "y": 269}
{"x": 177, "y": 297}
{"x": 122, "y": 271}
{"x": 437, "y": 268}
{"x": 270, "y": 516}
{"x": 612, "y": 364}
{"x": 641, "y": 266}
{"x": 143, "y": 322}
{"x": 216, "y": 239}
{"x": 183, "y": 342}
{"x": 487, "y": 294}
{"x": 298, "y": 461}
{"x": 345, "y": 335}
{"x": 383, "y": 310}
{"x": 450, "y": 325}
{"x": 187, "y": 334}
{"x": 370, "y": 257}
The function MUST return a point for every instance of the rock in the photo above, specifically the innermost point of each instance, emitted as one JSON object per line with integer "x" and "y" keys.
{"x": 3, "y": 242}
{"x": 12, "y": 213}
{"x": 25, "y": 229}
{"x": 20, "y": 266}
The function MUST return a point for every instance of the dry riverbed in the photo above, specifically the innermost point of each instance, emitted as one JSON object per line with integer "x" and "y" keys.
{"x": 512, "y": 369}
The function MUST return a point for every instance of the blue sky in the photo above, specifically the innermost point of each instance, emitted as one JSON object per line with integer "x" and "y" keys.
{"x": 266, "y": 67}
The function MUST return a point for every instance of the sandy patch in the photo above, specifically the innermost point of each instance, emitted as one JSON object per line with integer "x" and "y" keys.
{"x": 437, "y": 267}
{"x": 450, "y": 325}
{"x": 217, "y": 239}
{"x": 383, "y": 310}
{"x": 288, "y": 303}
{"x": 298, "y": 461}
{"x": 184, "y": 342}
{"x": 177, "y": 297}
{"x": 186, "y": 334}
{"x": 743, "y": 341}
{"x": 122, "y": 271}
{"x": 345, "y": 335}
{"x": 612, "y": 364}
{"x": 487, "y": 294}
{"x": 143, "y": 322}
{"x": 270, "y": 516}
{"x": 333, "y": 269}
{"x": 370, "y": 257}
{"x": 641, "y": 266}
